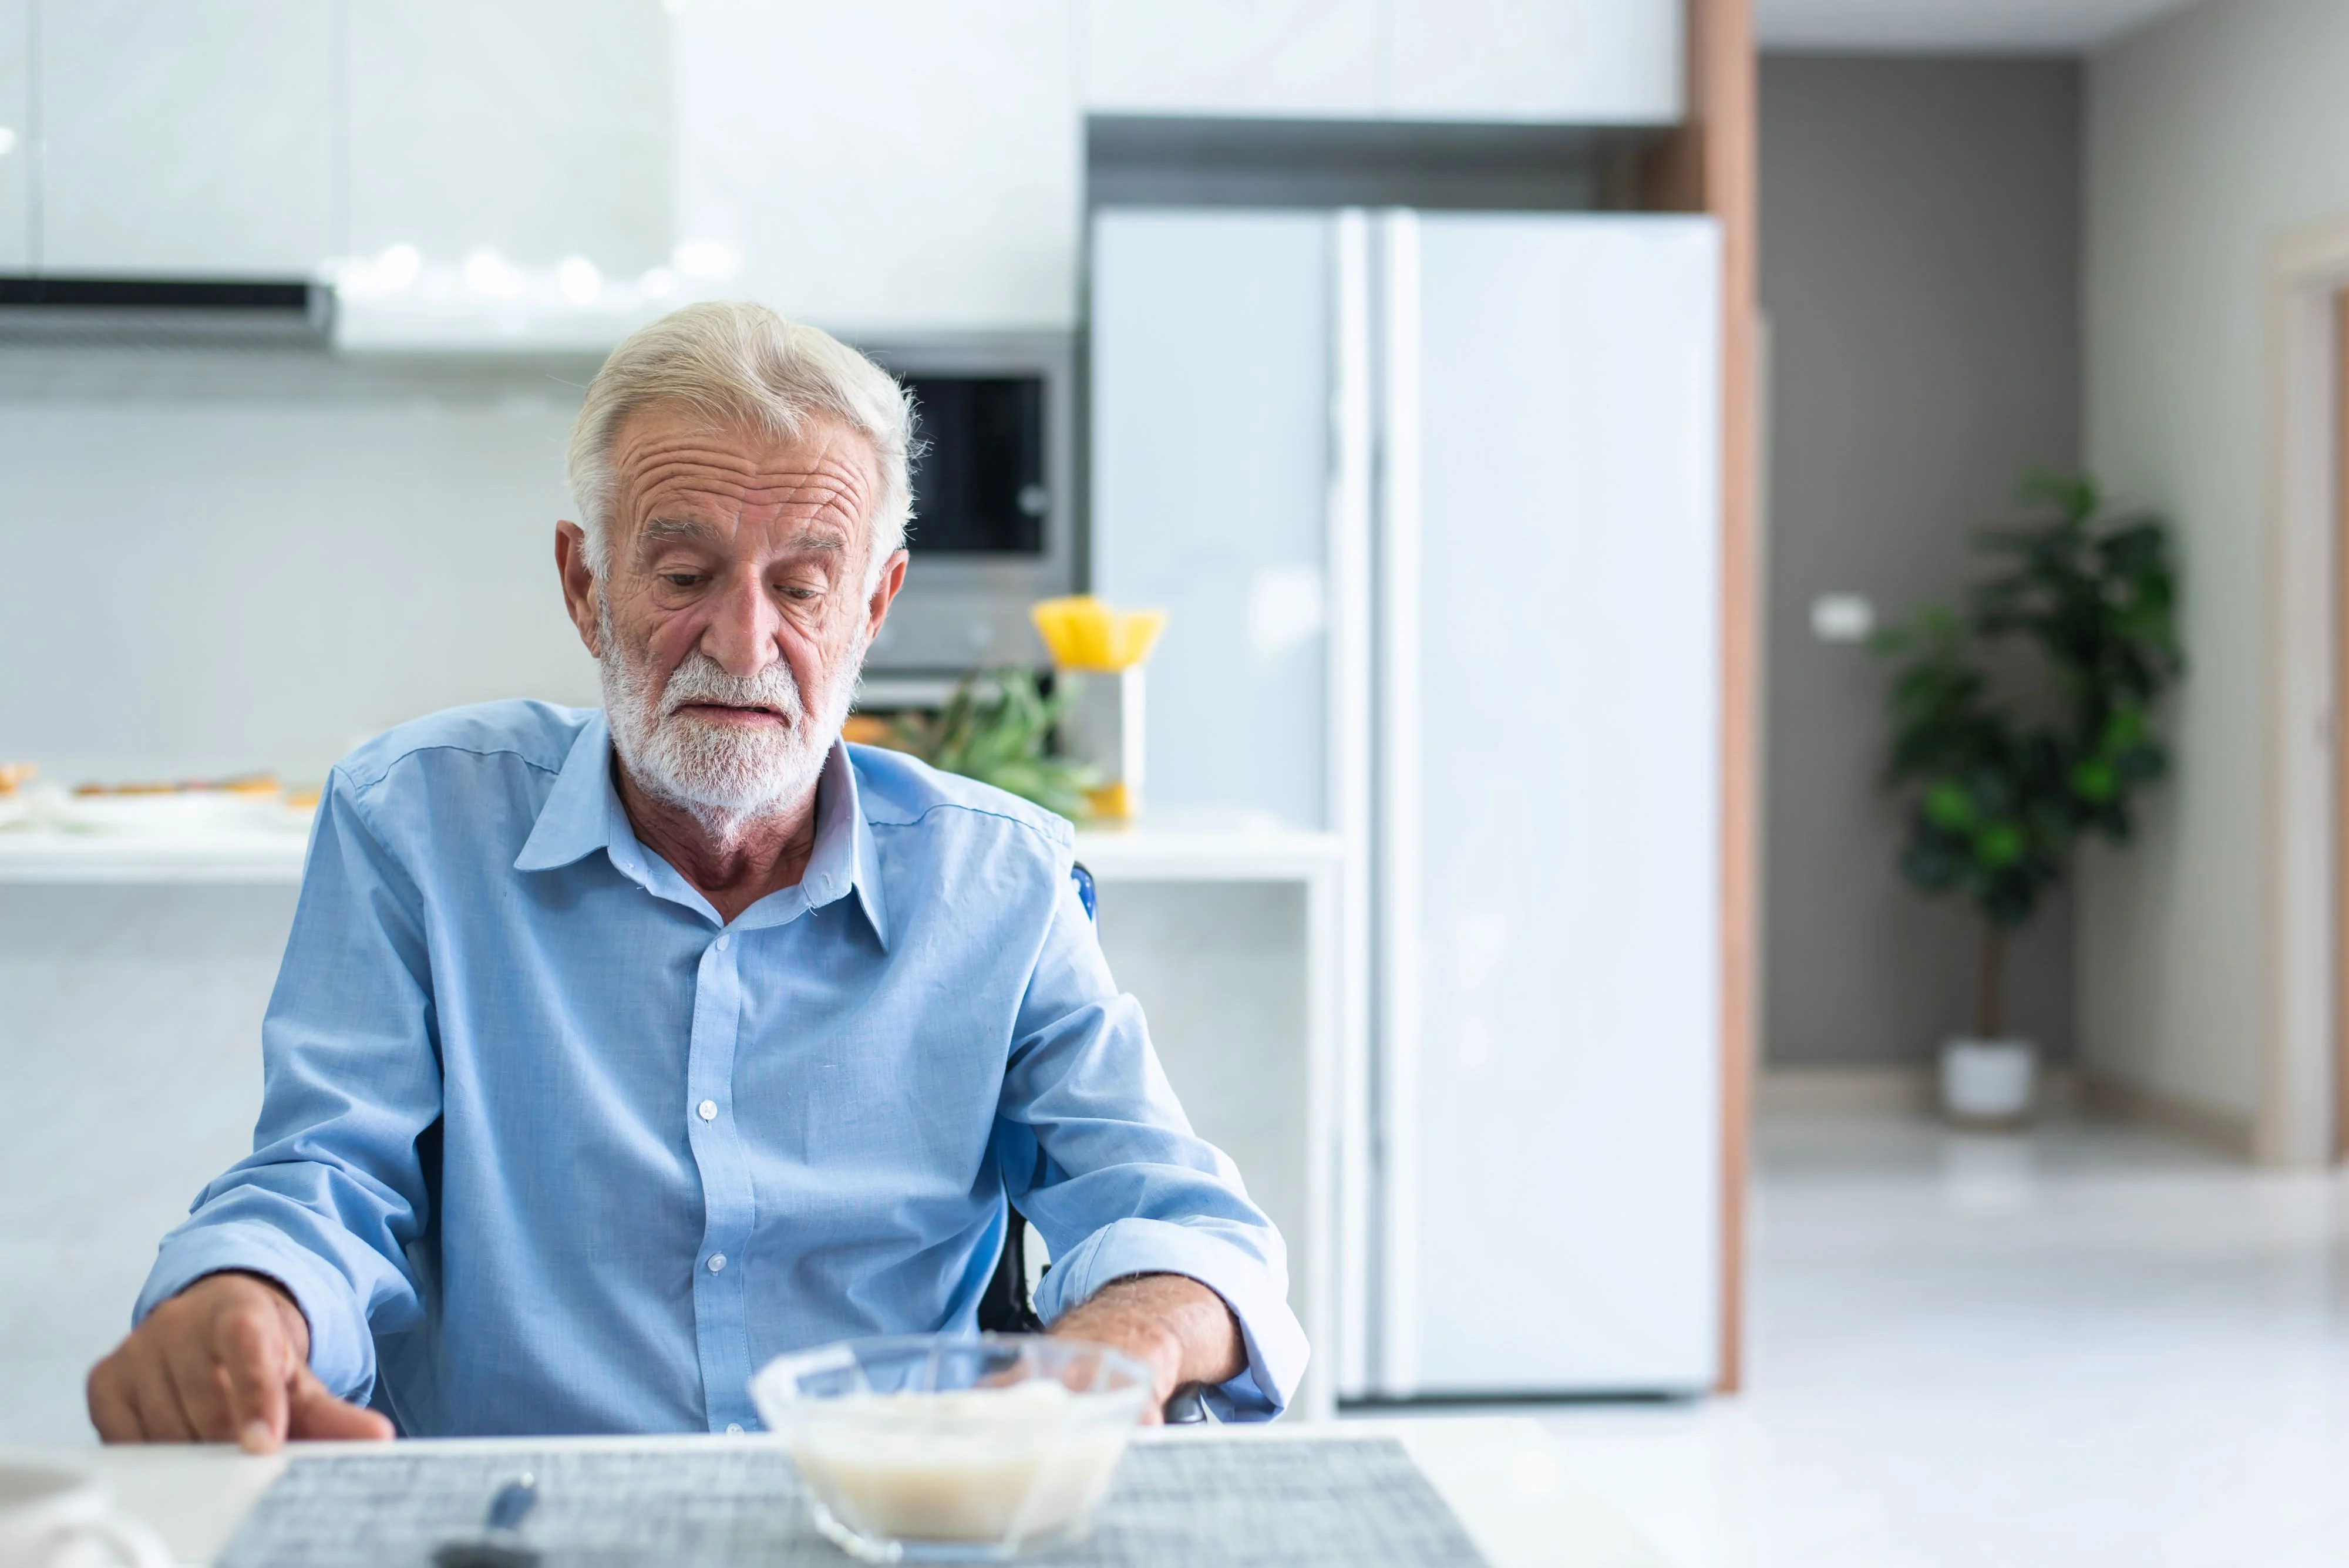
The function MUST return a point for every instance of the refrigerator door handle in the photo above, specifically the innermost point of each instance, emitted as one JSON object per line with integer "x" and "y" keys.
{"x": 1399, "y": 806}
{"x": 1348, "y": 549}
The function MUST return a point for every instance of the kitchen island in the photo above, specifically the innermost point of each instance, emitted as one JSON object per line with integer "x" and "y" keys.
{"x": 134, "y": 971}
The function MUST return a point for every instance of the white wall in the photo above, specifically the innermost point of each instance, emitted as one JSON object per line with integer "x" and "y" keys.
{"x": 2210, "y": 135}
{"x": 130, "y": 1067}
{"x": 221, "y": 562}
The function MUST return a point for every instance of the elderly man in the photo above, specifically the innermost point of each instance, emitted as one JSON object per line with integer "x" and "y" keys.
{"x": 615, "y": 1052}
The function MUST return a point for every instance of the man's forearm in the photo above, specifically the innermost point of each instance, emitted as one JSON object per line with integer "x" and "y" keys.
{"x": 1173, "y": 1323}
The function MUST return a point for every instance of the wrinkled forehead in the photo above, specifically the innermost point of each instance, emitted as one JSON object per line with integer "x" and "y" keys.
{"x": 673, "y": 463}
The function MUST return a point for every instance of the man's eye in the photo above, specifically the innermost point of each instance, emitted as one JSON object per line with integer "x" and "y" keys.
{"x": 800, "y": 596}
{"x": 680, "y": 579}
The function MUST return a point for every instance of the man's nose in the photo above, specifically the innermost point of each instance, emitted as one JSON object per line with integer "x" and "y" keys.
{"x": 741, "y": 631}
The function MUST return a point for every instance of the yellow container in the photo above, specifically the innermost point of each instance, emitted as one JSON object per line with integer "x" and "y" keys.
{"x": 1083, "y": 633}
{"x": 1100, "y": 650}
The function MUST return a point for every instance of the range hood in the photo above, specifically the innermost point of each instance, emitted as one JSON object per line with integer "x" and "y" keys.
{"x": 145, "y": 312}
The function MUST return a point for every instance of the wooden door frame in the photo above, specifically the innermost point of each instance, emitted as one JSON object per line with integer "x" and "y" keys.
{"x": 2303, "y": 1098}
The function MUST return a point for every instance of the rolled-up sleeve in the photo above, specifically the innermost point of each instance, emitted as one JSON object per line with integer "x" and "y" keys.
{"x": 1119, "y": 1184}
{"x": 334, "y": 1192}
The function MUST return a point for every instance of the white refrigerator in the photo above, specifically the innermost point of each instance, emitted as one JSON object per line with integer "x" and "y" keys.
{"x": 1434, "y": 498}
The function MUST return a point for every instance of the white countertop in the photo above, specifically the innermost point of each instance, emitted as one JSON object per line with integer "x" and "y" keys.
{"x": 1203, "y": 851}
{"x": 1208, "y": 851}
{"x": 1513, "y": 1490}
{"x": 51, "y": 855}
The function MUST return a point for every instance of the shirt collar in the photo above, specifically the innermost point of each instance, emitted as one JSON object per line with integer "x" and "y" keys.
{"x": 583, "y": 814}
{"x": 574, "y": 821}
{"x": 843, "y": 858}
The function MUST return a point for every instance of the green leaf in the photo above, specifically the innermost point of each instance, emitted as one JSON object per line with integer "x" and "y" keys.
{"x": 1002, "y": 740}
{"x": 1947, "y": 805}
{"x": 1999, "y": 846}
{"x": 2029, "y": 717}
{"x": 2094, "y": 781}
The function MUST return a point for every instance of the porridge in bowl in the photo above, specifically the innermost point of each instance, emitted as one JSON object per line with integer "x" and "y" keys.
{"x": 948, "y": 1447}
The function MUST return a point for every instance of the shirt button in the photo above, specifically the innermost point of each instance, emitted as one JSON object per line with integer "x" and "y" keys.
{"x": 722, "y": 942}
{"x": 717, "y": 1262}
{"x": 733, "y": 1428}
{"x": 707, "y": 1110}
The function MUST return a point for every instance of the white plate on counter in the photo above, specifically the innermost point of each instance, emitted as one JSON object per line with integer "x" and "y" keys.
{"x": 179, "y": 814}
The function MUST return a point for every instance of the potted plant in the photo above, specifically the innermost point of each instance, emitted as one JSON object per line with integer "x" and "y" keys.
{"x": 2020, "y": 724}
{"x": 998, "y": 729}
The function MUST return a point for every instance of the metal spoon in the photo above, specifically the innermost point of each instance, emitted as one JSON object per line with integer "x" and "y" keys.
{"x": 500, "y": 1544}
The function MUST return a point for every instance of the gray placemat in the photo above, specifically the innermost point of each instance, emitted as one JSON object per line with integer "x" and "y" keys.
{"x": 1306, "y": 1503}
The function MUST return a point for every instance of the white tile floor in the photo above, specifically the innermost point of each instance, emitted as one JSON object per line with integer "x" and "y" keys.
{"x": 2081, "y": 1346}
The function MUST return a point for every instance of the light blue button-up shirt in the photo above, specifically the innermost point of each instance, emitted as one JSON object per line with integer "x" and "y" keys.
{"x": 547, "y": 1146}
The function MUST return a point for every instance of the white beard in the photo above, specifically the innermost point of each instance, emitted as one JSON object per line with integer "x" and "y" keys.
{"x": 724, "y": 776}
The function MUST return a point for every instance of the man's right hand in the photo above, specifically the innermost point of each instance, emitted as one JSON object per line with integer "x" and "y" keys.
{"x": 227, "y": 1360}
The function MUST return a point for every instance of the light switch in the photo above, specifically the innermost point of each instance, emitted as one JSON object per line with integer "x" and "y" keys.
{"x": 1842, "y": 617}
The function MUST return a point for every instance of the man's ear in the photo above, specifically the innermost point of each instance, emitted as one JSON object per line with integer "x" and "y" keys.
{"x": 582, "y": 594}
{"x": 876, "y": 609}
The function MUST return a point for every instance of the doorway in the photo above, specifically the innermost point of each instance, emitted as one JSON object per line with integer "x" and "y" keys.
{"x": 2303, "y": 1099}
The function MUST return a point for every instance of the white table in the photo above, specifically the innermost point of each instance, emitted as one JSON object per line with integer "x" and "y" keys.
{"x": 1508, "y": 1484}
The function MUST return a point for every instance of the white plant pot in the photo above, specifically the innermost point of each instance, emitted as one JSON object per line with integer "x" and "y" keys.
{"x": 1989, "y": 1080}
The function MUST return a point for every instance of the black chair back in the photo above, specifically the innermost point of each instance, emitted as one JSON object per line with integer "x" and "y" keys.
{"x": 1004, "y": 1307}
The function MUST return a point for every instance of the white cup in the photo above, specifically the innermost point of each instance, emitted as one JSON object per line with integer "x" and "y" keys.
{"x": 53, "y": 1518}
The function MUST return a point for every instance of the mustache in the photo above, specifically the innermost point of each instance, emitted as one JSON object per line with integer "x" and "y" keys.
{"x": 702, "y": 679}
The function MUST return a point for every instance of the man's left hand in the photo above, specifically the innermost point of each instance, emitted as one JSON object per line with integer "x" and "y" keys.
{"x": 1173, "y": 1324}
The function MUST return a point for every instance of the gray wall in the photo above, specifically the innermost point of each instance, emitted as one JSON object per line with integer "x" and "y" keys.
{"x": 1920, "y": 238}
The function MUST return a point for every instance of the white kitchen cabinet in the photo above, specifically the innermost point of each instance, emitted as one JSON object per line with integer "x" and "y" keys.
{"x": 534, "y": 131}
{"x": 15, "y": 136}
{"x": 1238, "y": 58}
{"x": 1587, "y": 62}
{"x": 892, "y": 167}
{"x": 1592, "y": 62}
{"x": 188, "y": 140}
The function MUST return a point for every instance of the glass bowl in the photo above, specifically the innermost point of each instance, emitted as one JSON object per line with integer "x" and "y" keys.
{"x": 934, "y": 1447}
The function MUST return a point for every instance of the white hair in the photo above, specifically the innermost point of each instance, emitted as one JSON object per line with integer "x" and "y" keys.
{"x": 742, "y": 364}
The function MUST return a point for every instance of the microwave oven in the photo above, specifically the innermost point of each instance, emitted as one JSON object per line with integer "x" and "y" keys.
{"x": 995, "y": 517}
